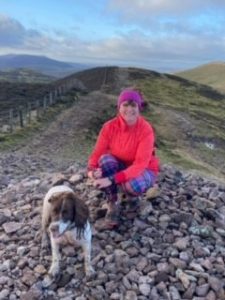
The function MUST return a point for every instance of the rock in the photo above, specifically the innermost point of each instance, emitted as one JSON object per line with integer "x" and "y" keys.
{"x": 4, "y": 294}
{"x": 215, "y": 283}
{"x": 142, "y": 263}
{"x": 211, "y": 296}
{"x": 153, "y": 255}
{"x": 3, "y": 218}
{"x": 115, "y": 296}
{"x": 133, "y": 276}
{"x": 130, "y": 295}
{"x": 76, "y": 178}
{"x": 4, "y": 280}
{"x": 11, "y": 227}
{"x": 188, "y": 294}
{"x": 203, "y": 231}
{"x": 178, "y": 263}
{"x": 174, "y": 293}
{"x": 181, "y": 243}
{"x": 144, "y": 289}
{"x": 202, "y": 290}
{"x": 164, "y": 218}
{"x": 153, "y": 192}
{"x": 184, "y": 278}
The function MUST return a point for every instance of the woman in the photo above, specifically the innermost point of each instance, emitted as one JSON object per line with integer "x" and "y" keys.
{"x": 124, "y": 154}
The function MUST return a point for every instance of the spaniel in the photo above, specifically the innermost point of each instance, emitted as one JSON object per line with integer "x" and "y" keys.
{"x": 65, "y": 219}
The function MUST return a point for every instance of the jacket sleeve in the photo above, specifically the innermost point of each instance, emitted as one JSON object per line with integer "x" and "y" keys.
{"x": 142, "y": 158}
{"x": 101, "y": 147}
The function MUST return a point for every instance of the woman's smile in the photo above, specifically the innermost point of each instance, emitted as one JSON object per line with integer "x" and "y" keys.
{"x": 129, "y": 111}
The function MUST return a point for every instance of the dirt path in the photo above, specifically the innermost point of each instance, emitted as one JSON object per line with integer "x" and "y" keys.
{"x": 68, "y": 140}
{"x": 65, "y": 140}
{"x": 71, "y": 136}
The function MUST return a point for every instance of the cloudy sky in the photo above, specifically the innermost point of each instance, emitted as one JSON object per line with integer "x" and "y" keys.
{"x": 162, "y": 35}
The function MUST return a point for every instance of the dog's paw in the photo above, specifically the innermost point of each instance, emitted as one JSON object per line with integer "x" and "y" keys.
{"x": 48, "y": 280}
{"x": 45, "y": 242}
{"x": 54, "y": 270}
{"x": 89, "y": 271}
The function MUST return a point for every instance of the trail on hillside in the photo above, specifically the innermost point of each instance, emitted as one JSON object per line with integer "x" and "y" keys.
{"x": 69, "y": 138}
{"x": 64, "y": 140}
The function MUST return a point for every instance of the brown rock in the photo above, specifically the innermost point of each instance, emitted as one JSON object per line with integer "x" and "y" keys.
{"x": 11, "y": 227}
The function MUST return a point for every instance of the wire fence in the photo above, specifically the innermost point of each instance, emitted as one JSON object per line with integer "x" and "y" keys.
{"x": 22, "y": 115}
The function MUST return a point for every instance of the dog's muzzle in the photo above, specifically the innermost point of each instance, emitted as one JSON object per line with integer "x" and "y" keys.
{"x": 58, "y": 228}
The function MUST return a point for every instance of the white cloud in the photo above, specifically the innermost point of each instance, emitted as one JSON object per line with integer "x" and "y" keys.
{"x": 14, "y": 34}
{"x": 169, "y": 17}
{"x": 161, "y": 7}
{"x": 174, "y": 45}
{"x": 11, "y": 32}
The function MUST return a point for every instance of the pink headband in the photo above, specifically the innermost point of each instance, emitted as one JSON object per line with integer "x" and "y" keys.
{"x": 133, "y": 95}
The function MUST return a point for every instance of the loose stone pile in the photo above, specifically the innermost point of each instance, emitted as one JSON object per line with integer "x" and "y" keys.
{"x": 173, "y": 248}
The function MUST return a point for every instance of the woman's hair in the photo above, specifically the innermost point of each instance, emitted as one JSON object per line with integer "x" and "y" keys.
{"x": 131, "y": 94}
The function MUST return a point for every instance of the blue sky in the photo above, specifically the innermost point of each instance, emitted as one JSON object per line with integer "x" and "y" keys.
{"x": 162, "y": 35}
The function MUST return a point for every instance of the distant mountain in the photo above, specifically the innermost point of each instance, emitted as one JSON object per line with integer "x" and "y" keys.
{"x": 212, "y": 74}
{"x": 41, "y": 64}
{"x": 25, "y": 75}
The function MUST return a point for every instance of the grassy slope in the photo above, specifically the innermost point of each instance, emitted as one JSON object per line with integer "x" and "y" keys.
{"x": 185, "y": 119}
{"x": 212, "y": 74}
{"x": 185, "y": 116}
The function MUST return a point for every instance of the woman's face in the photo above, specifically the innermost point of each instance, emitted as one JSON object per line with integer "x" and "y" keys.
{"x": 129, "y": 110}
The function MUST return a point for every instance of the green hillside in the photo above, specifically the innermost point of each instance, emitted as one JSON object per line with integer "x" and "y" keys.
{"x": 188, "y": 117}
{"x": 212, "y": 74}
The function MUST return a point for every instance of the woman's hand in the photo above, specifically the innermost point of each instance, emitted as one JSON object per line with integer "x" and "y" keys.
{"x": 95, "y": 174}
{"x": 102, "y": 182}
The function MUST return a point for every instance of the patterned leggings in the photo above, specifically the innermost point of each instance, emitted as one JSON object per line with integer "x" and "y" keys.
{"x": 134, "y": 187}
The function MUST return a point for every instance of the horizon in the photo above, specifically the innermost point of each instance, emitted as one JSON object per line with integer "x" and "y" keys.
{"x": 90, "y": 66}
{"x": 165, "y": 36}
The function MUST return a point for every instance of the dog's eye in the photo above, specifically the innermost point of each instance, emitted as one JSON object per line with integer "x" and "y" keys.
{"x": 56, "y": 210}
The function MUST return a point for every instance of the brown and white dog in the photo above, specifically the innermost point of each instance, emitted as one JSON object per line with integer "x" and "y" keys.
{"x": 65, "y": 218}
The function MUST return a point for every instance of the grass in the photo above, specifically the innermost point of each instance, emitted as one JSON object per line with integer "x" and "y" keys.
{"x": 21, "y": 136}
{"x": 183, "y": 120}
{"x": 210, "y": 74}
{"x": 184, "y": 116}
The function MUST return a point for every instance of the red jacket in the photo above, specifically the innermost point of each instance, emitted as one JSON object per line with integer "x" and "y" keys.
{"x": 134, "y": 145}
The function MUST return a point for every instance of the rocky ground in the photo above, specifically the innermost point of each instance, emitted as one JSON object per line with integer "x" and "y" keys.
{"x": 173, "y": 248}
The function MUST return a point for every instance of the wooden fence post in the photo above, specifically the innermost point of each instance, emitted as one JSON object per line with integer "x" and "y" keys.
{"x": 21, "y": 117}
{"x": 50, "y": 98}
{"x": 29, "y": 113}
{"x": 11, "y": 120}
{"x": 38, "y": 109}
{"x": 44, "y": 103}
{"x": 59, "y": 90}
{"x": 55, "y": 94}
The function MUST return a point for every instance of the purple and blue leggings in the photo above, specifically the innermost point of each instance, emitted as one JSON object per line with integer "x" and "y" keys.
{"x": 134, "y": 187}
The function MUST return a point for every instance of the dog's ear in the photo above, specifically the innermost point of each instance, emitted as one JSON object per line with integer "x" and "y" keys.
{"x": 81, "y": 212}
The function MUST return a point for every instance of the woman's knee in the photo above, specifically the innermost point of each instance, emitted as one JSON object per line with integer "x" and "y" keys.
{"x": 106, "y": 158}
{"x": 140, "y": 185}
{"x": 109, "y": 164}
